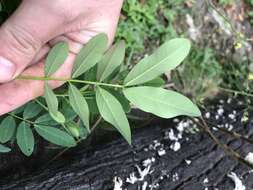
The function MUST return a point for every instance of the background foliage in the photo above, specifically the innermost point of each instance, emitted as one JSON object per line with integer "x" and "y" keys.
{"x": 217, "y": 62}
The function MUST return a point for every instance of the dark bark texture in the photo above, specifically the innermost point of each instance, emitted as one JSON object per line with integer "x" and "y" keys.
{"x": 94, "y": 167}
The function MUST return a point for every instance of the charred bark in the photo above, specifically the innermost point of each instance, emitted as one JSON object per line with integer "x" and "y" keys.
{"x": 95, "y": 166}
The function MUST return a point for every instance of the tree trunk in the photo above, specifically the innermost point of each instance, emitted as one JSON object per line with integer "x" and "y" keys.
{"x": 199, "y": 164}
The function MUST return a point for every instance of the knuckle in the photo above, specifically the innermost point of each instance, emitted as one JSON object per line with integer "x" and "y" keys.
{"x": 21, "y": 40}
{"x": 64, "y": 10}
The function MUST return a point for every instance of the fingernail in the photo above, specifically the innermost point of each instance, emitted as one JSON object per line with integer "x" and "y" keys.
{"x": 7, "y": 70}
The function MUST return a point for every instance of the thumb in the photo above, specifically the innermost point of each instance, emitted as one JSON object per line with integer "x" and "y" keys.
{"x": 22, "y": 36}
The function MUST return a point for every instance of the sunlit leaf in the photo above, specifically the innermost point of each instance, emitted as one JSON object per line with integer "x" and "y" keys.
{"x": 89, "y": 55}
{"x": 79, "y": 105}
{"x": 111, "y": 60}
{"x": 25, "y": 138}
{"x": 165, "y": 58}
{"x": 7, "y": 129}
{"x": 161, "y": 102}
{"x": 56, "y": 58}
{"x": 55, "y": 136}
{"x": 112, "y": 112}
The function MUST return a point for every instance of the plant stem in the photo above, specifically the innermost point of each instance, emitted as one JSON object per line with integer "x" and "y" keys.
{"x": 42, "y": 105}
{"x": 78, "y": 141}
{"x": 225, "y": 147}
{"x": 22, "y": 119}
{"x": 68, "y": 80}
{"x": 236, "y": 92}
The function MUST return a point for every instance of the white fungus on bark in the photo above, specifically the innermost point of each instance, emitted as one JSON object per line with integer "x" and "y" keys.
{"x": 117, "y": 183}
{"x": 249, "y": 157}
{"x": 206, "y": 180}
{"x": 237, "y": 181}
{"x": 175, "y": 146}
{"x": 141, "y": 173}
{"x": 144, "y": 186}
{"x": 188, "y": 162}
{"x": 161, "y": 152}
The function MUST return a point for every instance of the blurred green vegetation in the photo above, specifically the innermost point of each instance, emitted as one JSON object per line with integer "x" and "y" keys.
{"x": 145, "y": 24}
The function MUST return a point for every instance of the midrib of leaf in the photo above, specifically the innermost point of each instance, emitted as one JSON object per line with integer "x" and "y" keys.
{"x": 5, "y": 132}
{"x": 51, "y": 65}
{"x": 107, "y": 66}
{"x": 171, "y": 105}
{"x": 54, "y": 108}
{"x": 84, "y": 59}
{"x": 107, "y": 105}
{"x": 75, "y": 98}
{"x": 26, "y": 139}
{"x": 52, "y": 134}
{"x": 152, "y": 67}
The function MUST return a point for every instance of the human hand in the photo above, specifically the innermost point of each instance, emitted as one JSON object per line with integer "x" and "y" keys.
{"x": 27, "y": 36}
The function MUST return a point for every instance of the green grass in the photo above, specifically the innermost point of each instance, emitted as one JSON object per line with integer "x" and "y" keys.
{"x": 144, "y": 26}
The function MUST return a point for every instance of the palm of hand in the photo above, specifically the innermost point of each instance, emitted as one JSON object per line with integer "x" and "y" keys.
{"x": 76, "y": 33}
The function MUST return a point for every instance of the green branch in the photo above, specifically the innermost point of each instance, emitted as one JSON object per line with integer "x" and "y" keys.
{"x": 68, "y": 80}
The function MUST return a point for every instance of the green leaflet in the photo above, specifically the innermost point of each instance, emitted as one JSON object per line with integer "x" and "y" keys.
{"x": 59, "y": 117}
{"x": 56, "y": 58}
{"x": 55, "y": 136}
{"x": 73, "y": 128}
{"x": 7, "y": 129}
{"x": 19, "y": 110}
{"x": 157, "y": 82}
{"x": 52, "y": 104}
{"x": 161, "y": 102}
{"x": 112, "y": 112}
{"x": 46, "y": 119}
{"x": 165, "y": 58}
{"x": 31, "y": 110}
{"x": 89, "y": 55}
{"x": 122, "y": 100}
{"x": 51, "y": 99}
{"x": 77, "y": 130}
{"x": 25, "y": 138}
{"x": 93, "y": 105}
{"x": 4, "y": 149}
{"x": 79, "y": 105}
{"x": 111, "y": 60}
